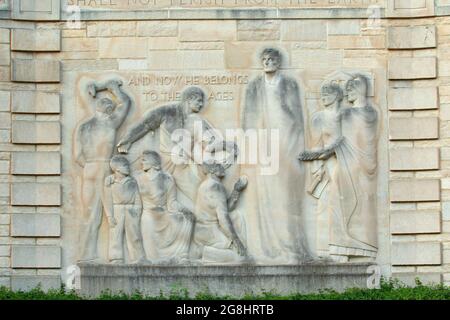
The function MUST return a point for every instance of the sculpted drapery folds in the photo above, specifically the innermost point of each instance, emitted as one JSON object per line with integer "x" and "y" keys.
{"x": 274, "y": 204}
{"x": 344, "y": 172}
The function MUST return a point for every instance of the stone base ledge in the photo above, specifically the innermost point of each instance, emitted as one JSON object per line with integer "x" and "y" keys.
{"x": 235, "y": 281}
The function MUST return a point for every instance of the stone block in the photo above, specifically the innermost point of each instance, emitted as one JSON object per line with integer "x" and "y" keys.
{"x": 412, "y": 37}
{"x": 413, "y": 98}
{"x": 303, "y": 30}
{"x": 415, "y": 222}
{"x": 42, "y": 10}
{"x": 35, "y": 102}
{"x": 343, "y": 27}
{"x": 409, "y": 279}
{"x": 36, "y": 40}
{"x": 35, "y": 194}
{"x": 35, "y": 225}
{"x": 36, "y": 132}
{"x": 407, "y": 68}
{"x": 27, "y": 283}
{"x": 126, "y": 48}
{"x": 210, "y": 30}
{"x": 356, "y": 42}
{"x": 413, "y": 128}
{"x": 25, "y": 256}
{"x": 35, "y": 71}
{"x": 4, "y": 36}
{"x": 258, "y": 30}
{"x": 416, "y": 253}
{"x": 5, "y": 120}
{"x": 186, "y": 59}
{"x": 36, "y": 163}
{"x": 5, "y": 55}
{"x": 412, "y": 159}
{"x": 113, "y": 28}
{"x": 157, "y": 29}
{"x": 80, "y": 44}
{"x": 415, "y": 190}
{"x": 410, "y": 8}
{"x": 5, "y": 101}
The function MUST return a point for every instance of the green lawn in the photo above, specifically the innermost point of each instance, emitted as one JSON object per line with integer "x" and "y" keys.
{"x": 390, "y": 290}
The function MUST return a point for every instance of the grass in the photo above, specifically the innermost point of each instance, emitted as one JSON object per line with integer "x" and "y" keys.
{"x": 389, "y": 290}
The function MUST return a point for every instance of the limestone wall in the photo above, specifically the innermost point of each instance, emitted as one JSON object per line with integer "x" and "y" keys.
{"x": 45, "y": 63}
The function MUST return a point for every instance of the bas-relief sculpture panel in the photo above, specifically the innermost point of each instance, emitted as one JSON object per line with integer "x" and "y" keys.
{"x": 154, "y": 182}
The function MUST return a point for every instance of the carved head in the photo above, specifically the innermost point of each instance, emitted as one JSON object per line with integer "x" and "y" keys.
{"x": 193, "y": 98}
{"x": 105, "y": 106}
{"x": 120, "y": 164}
{"x": 271, "y": 59}
{"x": 151, "y": 160}
{"x": 214, "y": 168}
{"x": 330, "y": 92}
{"x": 357, "y": 88}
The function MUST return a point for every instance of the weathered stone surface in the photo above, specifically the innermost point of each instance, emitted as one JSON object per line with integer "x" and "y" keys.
{"x": 5, "y": 100}
{"x": 36, "y": 40}
{"x": 157, "y": 29}
{"x": 413, "y": 98}
{"x": 36, "y": 163}
{"x": 4, "y": 35}
{"x": 412, "y": 37}
{"x": 35, "y": 194}
{"x": 404, "y": 68}
{"x": 35, "y": 225}
{"x": 36, "y": 10}
{"x": 413, "y": 128}
{"x": 35, "y": 70}
{"x": 411, "y": 159}
{"x": 128, "y": 47}
{"x": 305, "y": 30}
{"x": 36, "y": 132}
{"x": 415, "y": 222}
{"x": 35, "y": 102}
{"x": 416, "y": 253}
{"x": 23, "y": 256}
{"x": 409, "y": 279}
{"x": 239, "y": 279}
{"x": 185, "y": 59}
{"x": 29, "y": 282}
{"x": 207, "y": 30}
{"x": 356, "y": 42}
{"x": 344, "y": 27}
{"x": 410, "y": 8}
{"x": 415, "y": 190}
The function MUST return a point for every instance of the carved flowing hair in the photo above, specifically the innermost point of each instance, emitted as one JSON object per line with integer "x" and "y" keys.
{"x": 191, "y": 93}
{"x": 360, "y": 83}
{"x": 332, "y": 87}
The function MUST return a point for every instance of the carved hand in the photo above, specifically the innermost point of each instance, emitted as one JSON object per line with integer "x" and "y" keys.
{"x": 239, "y": 247}
{"x": 241, "y": 184}
{"x": 123, "y": 146}
{"x": 188, "y": 214}
{"x": 112, "y": 221}
{"x": 92, "y": 90}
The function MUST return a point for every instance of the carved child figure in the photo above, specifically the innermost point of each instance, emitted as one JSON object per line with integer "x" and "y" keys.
{"x": 123, "y": 208}
{"x": 93, "y": 149}
{"x": 215, "y": 234}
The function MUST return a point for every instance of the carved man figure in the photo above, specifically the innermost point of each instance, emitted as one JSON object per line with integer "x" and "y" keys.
{"x": 123, "y": 208}
{"x": 168, "y": 119}
{"x": 94, "y": 146}
{"x": 166, "y": 225}
{"x": 347, "y": 141}
{"x": 274, "y": 202}
{"x": 215, "y": 233}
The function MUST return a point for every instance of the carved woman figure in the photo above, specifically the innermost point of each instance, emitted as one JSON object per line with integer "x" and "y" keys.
{"x": 166, "y": 225}
{"x": 344, "y": 179}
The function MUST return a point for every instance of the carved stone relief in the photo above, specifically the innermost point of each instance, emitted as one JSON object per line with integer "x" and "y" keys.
{"x": 173, "y": 206}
